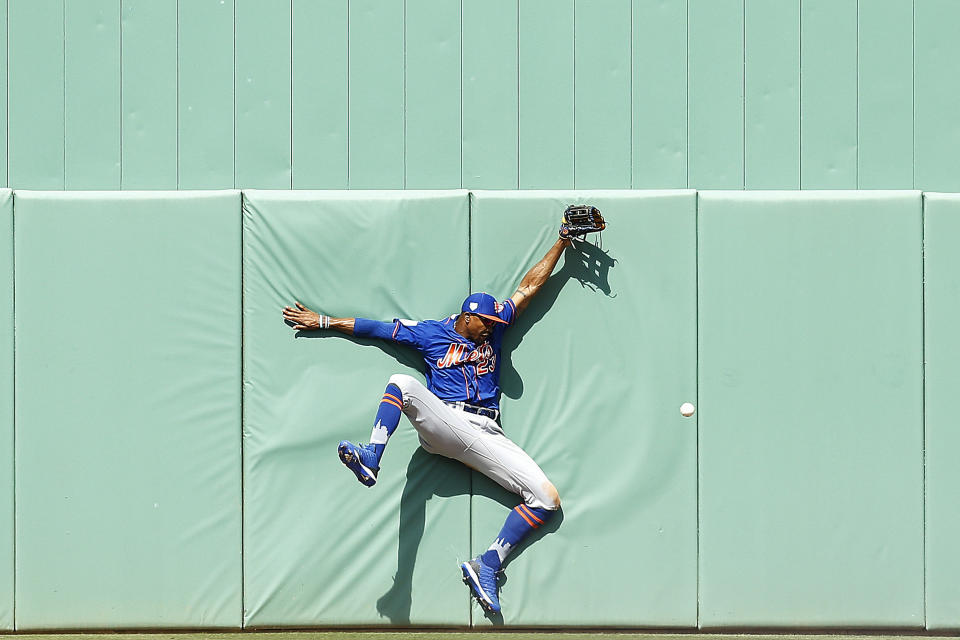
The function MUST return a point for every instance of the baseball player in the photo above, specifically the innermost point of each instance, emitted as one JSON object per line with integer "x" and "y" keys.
{"x": 457, "y": 413}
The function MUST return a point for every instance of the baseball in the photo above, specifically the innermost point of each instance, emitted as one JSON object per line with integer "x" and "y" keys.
{"x": 687, "y": 409}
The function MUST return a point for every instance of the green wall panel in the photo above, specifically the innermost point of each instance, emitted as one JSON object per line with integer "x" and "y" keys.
{"x": 942, "y": 379}
{"x": 659, "y": 94}
{"x": 937, "y": 99}
{"x": 625, "y": 550}
{"x": 6, "y": 410}
{"x": 715, "y": 111}
{"x": 319, "y": 548}
{"x": 828, "y": 94}
{"x": 205, "y": 121}
{"x": 546, "y": 82}
{"x": 885, "y": 94}
{"x": 811, "y": 433}
{"x": 92, "y": 94}
{"x": 263, "y": 112}
{"x": 320, "y": 90}
{"x": 490, "y": 108}
{"x": 149, "y": 94}
{"x": 603, "y": 112}
{"x": 432, "y": 107}
{"x": 4, "y": 88}
{"x": 128, "y": 410}
{"x": 376, "y": 94}
{"x": 771, "y": 146}
{"x": 35, "y": 94}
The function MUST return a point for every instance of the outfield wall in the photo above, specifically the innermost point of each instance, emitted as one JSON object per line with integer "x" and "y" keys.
{"x": 175, "y": 441}
{"x": 479, "y": 94}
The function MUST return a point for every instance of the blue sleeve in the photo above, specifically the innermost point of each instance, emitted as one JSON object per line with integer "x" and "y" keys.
{"x": 364, "y": 328}
{"x": 402, "y": 331}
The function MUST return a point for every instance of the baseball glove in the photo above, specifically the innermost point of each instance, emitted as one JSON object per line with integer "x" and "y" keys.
{"x": 579, "y": 220}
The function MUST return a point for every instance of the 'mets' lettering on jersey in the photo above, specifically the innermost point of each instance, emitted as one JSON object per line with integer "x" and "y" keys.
{"x": 483, "y": 356}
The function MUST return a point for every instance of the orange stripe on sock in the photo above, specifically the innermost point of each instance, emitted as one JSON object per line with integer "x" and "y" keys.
{"x": 529, "y": 521}
{"x": 530, "y": 513}
{"x": 390, "y": 395}
{"x": 393, "y": 402}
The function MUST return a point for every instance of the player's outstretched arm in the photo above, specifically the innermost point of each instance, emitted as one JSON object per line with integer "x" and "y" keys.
{"x": 304, "y": 319}
{"x": 538, "y": 275}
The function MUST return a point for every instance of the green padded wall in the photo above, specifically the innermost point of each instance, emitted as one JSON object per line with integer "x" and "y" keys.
{"x": 942, "y": 379}
{"x": 624, "y": 552}
{"x": 319, "y": 548}
{"x": 128, "y": 410}
{"x": 811, "y": 433}
{"x": 6, "y": 409}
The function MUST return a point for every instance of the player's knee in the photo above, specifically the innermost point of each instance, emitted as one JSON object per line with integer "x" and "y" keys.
{"x": 546, "y": 498}
{"x": 552, "y": 496}
{"x": 402, "y": 381}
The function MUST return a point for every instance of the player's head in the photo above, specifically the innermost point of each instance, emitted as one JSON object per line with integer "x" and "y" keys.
{"x": 479, "y": 316}
{"x": 483, "y": 305}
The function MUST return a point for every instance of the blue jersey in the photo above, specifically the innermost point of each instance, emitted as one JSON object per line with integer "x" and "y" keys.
{"x": 458, "y": 370}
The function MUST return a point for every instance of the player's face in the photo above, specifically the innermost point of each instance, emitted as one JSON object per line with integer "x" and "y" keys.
{"x": 480, "y": 328}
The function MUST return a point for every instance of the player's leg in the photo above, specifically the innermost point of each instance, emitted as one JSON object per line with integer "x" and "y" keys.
{"x": 502, "y": 460}
{"x": 364, "y": 460}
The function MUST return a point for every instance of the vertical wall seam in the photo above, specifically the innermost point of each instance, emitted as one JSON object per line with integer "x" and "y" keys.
{"x": 13, "y": 244}
{"x": 63, "y": 70}
{"x": 800, "y": 97}
{"x": 404, "y": 22}
{"x": 235, "y": 93}
{"x": 243, "y": 416}
{"x": 687, "y": 159}
{"x": 518, "y": 92}
{"x": 631, "y": 94}
{"x": 923, "y": 394}
{"x": 743, "y": 78}
{"x": 348, "y": 94}
{"x": 291, "y": 95}
{"x": 7, "y": 141}
{"x": 696, "y": 374}
{"x": 177, "y": 55}
{"x": 470, "y": 200}
{"x": 120, "y": 9}
{"x": 575, "y": 94}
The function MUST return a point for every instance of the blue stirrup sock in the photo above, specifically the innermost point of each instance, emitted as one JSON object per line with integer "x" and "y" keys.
{"x": 388, "y": 417}
{"x": 521, "y": 521}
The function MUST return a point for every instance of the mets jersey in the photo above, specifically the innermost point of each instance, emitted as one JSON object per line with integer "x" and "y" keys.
{"x": 458, "y": 370}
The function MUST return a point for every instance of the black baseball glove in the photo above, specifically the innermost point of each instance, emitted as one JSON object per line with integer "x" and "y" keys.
{"x": 579, "y": 220}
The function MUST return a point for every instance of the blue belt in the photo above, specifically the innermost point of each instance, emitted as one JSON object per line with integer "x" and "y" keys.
{"x": 493, "y": 414}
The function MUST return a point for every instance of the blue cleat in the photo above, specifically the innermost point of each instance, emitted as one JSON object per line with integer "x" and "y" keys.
{"x": 482, "y": 581}
{"x": 361, "y": 460}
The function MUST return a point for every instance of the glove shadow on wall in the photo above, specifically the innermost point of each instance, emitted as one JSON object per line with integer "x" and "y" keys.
{"x": 584, "y": 262}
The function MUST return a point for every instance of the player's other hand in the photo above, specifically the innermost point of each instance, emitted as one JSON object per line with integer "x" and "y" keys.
{"x": 303, "y": 319}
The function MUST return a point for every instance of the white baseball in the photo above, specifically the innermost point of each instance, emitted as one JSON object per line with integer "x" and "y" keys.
{"x": 687, "y": 409}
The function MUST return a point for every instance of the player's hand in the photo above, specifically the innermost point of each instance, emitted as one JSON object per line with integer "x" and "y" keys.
{"x": 303, "y": 319}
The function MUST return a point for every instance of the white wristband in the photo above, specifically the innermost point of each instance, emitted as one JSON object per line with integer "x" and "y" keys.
{"x": 324, "y": 322}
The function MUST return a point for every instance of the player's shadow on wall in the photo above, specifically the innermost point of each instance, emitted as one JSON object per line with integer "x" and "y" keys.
{"x": 583, "y": 262}
{"x": 428, "y": 476}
